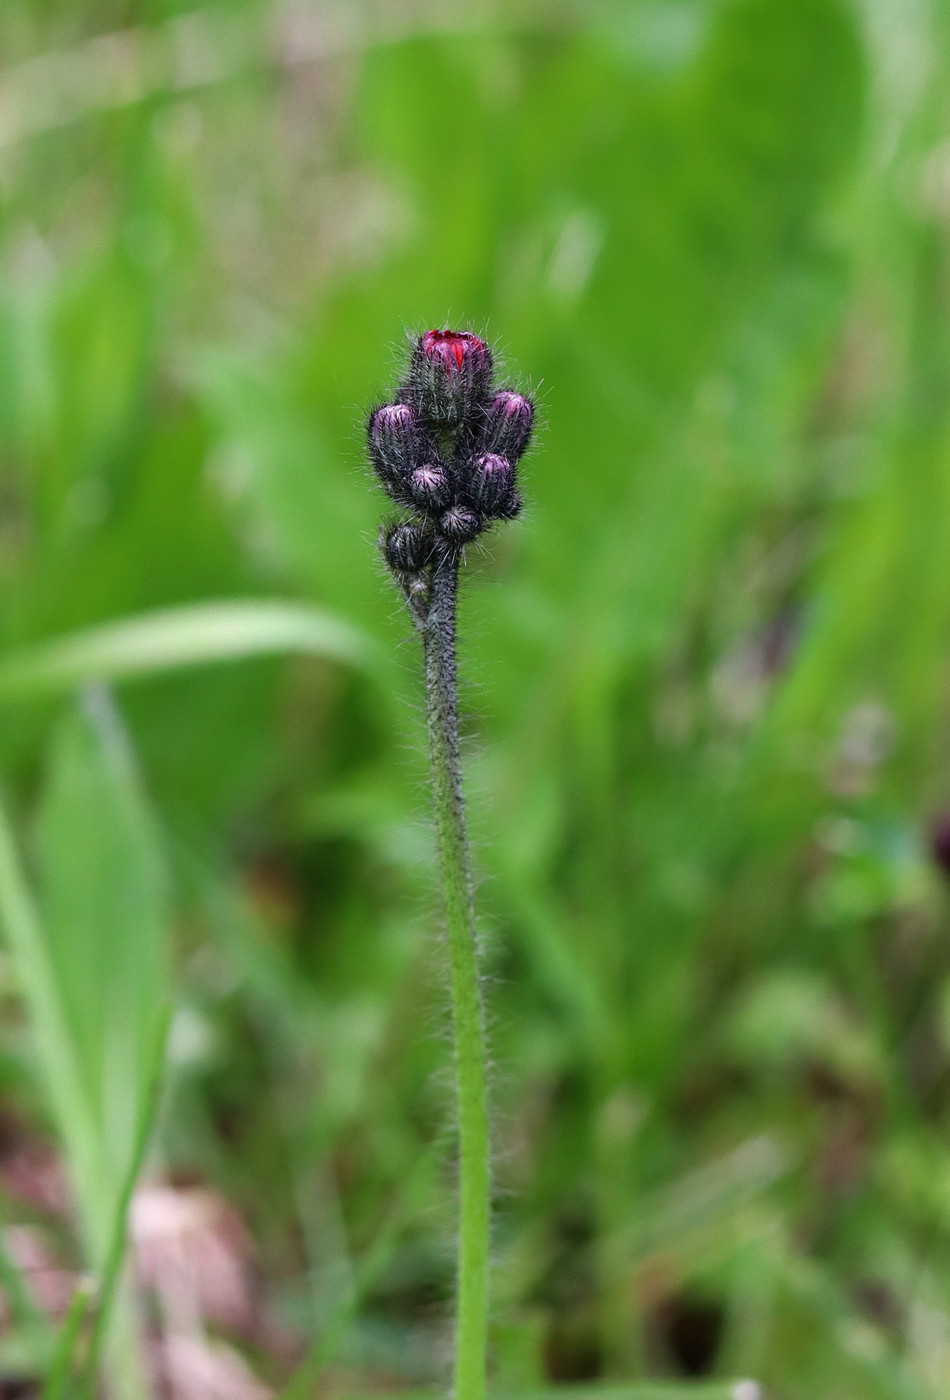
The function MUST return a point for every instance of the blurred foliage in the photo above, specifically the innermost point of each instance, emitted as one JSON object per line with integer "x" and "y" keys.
{"x": 707, "y": 674}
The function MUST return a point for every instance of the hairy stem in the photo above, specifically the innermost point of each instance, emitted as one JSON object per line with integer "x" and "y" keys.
{"x": 467, "y": 1012}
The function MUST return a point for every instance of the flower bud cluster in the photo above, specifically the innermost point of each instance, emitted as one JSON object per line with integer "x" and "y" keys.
{"x": 447, "y": 453}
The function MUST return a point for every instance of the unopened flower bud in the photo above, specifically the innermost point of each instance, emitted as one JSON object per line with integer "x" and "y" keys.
{"x": 459, "y": 525}
{"x": 511, "y": 506}
{"x": 509, "y": 418}
{"x": 491, "y": 482}
{"x": 406, "y": 548}
{"x": 391, "y": 427}
{"x": 392, "y": 432}
{"x": 450, "y": 375}
{"x": 429, "y": 487}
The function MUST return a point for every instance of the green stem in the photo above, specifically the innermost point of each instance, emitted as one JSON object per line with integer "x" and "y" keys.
{"x": 467, "y": 1013}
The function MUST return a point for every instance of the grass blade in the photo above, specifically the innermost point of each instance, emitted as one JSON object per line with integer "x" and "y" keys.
{"x": 60, "y": 1370}
{"x": 117, "y": 1247}
{"x": 647, "y": 1390}
{"x": 166, "y": 640}
{"x": 25, "y": 1314}
{"x": 326, "y": 1345}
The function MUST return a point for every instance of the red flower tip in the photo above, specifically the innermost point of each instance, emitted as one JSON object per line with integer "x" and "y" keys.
{"x": 449, "y": 377}
{"x": 452, "y": 346}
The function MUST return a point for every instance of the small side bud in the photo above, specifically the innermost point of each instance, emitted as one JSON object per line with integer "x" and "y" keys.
{"x": 430, "y": 488}
{"x": 491, "y": 482}
{"x": 459, "y": 525}
{"x": 391, "y": 428}
{"x": 511, "y": 506}
{"x": 450, "y": 375}
{"x": 406, "y": 548}
{"x": 508, "y": 422}
{"x": 392, "y": 432}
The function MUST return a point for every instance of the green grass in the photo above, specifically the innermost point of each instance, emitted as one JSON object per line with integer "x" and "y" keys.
{"x": 705, "y": 680}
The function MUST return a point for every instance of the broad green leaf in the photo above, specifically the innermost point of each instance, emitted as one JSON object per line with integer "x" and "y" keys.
{"x": 91, "y": 964}
{"x": 106, "y": 914}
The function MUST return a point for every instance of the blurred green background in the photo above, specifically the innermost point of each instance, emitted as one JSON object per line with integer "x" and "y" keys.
{"x": 706, "y": 687}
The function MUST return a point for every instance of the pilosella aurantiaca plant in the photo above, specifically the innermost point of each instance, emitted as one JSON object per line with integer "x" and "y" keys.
{"x": 446, "y": 451}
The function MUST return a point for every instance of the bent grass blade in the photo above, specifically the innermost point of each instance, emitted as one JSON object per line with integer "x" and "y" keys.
{"x": 173, "y": 638}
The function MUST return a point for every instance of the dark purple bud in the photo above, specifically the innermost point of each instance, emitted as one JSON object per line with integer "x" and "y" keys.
{"x": 392, "y": 428}
{"x": 429, "y": 488}
{"x": 459, "y": 525}
{"x": 940, "y": 842}
{"x": 393, "y": 434}
{"x": 406, "y": 548}
{"x": 491, "y": 482}
{"x": 511, "y": 506}
{"x": 450, "y": 375}
{"x": 509, "y": 418}
{"x": 393, "y": 420}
